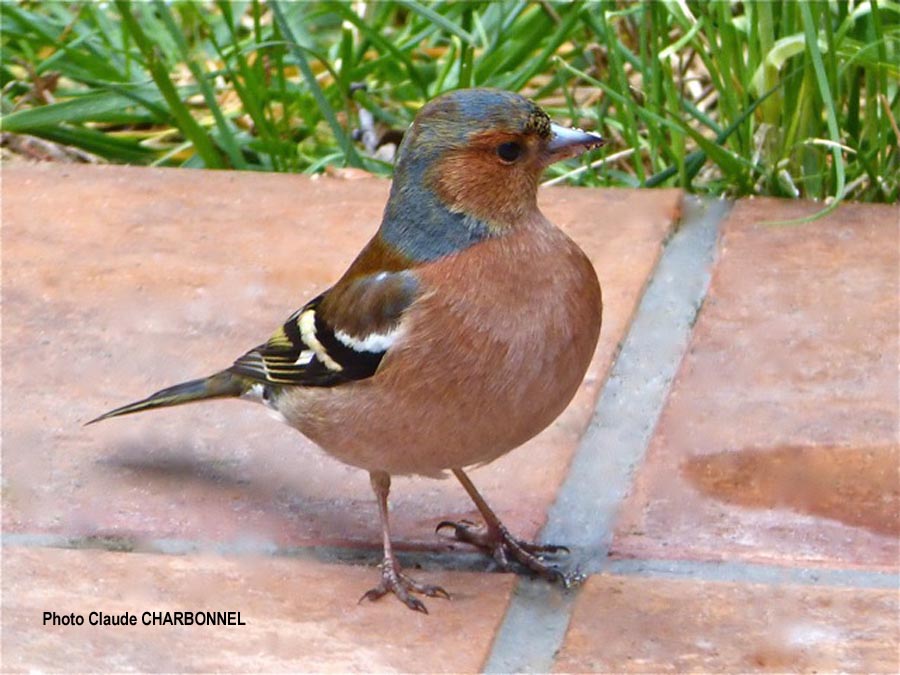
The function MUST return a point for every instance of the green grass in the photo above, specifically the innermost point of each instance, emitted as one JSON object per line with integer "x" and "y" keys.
{"x": 797, "y": 99}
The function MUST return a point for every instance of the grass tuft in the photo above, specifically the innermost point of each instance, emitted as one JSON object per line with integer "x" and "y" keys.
{"x": 795, "y": 99}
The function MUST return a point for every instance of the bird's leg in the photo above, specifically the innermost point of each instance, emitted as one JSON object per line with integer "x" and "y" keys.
{"x": 497, "y": 541}
{"x": 392, "y": 578}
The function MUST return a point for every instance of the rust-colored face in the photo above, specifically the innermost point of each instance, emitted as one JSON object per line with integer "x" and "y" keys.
{"x": 494, "y": 177}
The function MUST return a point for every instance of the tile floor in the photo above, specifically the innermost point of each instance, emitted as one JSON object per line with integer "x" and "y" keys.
{"x": 756, "y": 529}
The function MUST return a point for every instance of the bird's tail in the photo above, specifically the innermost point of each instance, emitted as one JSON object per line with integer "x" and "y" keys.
{"x": 220, "y": 385}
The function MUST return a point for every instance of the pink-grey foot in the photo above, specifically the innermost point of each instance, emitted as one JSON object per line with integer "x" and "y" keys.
{"x": 394, "y": 581}
{"x": 497, "y": 541}
{"x": 503, "y": 548}
{"x": 392, "y": 578}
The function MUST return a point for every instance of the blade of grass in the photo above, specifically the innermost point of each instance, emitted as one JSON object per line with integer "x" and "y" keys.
{"x": 437, "y": 19}
{"x": 695, "y": 160}
{"x": 186, "y": 122}
{"x": 539, "y": 63}
{"x": 97, "y": 143}
{"x": 810, "y": 30}
{"x": 350, "y": 155}
{"x": 246, "y": 83}
{"x": 226, "y": 131}
{"x": 725, "y": 159}
{"x": 626, "y": 107}
{"x": 80, "y": 109}
{"x": 384, "y": 46}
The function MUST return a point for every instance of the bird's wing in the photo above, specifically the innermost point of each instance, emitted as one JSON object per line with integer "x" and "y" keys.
{"x": 339, "y": 336}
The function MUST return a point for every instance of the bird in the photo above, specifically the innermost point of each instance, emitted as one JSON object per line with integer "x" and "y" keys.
{"x": 461, "y": 330}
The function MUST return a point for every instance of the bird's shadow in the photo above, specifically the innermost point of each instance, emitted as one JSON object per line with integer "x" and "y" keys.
{"x": 312, "y": 525}
{"x": 165, "y": 468}
{"x": 163, "y": 462}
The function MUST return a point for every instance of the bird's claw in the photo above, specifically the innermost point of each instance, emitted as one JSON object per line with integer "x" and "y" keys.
{"x": 394, "y": 581}
{"x": 471, "y": 533}
{"x": 502, "y": 546}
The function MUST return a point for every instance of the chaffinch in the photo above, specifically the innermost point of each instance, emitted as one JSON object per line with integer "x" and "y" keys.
{"x": 461, "y": 330}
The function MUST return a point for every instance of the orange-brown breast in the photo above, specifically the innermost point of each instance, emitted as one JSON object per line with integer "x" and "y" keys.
{"x": 492, "y": 352}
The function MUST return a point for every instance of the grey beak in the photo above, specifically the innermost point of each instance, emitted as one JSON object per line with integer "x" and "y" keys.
{"x": 566, "y": 143}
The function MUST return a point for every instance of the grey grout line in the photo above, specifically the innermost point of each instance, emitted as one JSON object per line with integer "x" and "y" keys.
{"x": 474, "y": 561}
{"x": 753, "y": 573}
{"x": 613, "y": 446}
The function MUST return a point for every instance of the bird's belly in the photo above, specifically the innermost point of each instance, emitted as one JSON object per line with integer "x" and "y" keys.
{"x": 421, "y": 431}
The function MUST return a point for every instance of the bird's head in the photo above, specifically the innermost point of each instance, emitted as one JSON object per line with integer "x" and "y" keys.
{"x": 478, "y": 154}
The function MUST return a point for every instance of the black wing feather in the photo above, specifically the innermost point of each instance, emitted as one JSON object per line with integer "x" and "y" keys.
{"x": 279, "y": 361}
{"x": 316, "y": 357}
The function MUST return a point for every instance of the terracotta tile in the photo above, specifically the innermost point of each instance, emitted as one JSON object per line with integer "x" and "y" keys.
{"x": 638, "y": 624}
{"x": 300, "y": 616}
{"x": 779, "y": 439}
{"x": 120, "y": 281}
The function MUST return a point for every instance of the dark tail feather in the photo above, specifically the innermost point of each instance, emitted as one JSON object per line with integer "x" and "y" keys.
{"x": 220, "y": 385}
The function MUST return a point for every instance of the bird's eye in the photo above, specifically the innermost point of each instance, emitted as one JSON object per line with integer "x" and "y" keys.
{"x": 509, "y": 152}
